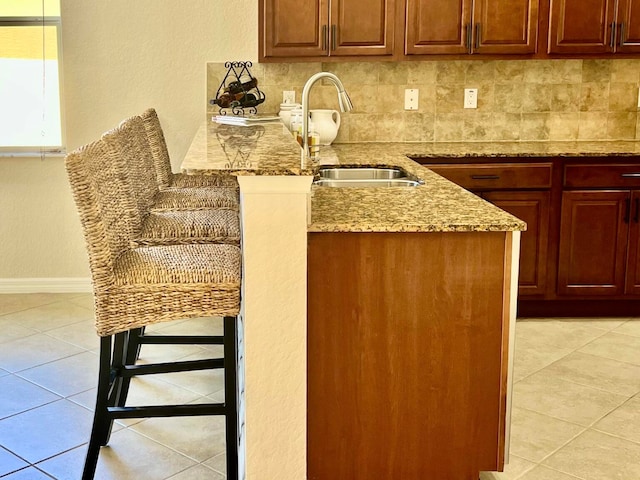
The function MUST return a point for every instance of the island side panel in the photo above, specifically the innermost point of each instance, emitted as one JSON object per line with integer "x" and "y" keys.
{"x": 405, "y": 355}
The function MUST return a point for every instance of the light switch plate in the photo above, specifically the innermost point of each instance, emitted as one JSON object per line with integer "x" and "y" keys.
{"x": 411, "y": 99}
{"x": 470, "y": 98}
{"x": 289, "y": 96}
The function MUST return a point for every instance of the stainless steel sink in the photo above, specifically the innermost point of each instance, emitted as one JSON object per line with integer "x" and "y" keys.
{"x": 364, "y": 173}
{"x": 362, "y": 183}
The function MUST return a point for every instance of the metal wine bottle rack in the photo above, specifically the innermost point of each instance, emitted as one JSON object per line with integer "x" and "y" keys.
{"x": 238, "y": 93}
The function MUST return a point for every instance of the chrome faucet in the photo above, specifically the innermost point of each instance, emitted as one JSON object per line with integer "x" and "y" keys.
{"x": 343, "y": 100}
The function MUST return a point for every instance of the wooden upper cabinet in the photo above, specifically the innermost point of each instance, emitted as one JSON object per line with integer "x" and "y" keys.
{"x": 317, "y": 28}
{"x": 466, "y": 26}
{"x": 438, "y": 27}
{"x": 505, "y": 26}
{"x": 361, "y": 27}
{"x": 290, "y": 28}
{"x": 582, "y": 26}
{"x": 628, "y": 32}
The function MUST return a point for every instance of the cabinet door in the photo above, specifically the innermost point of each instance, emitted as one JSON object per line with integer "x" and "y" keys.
{"x": 628, "y": 26}
{"x": 581, "y": 26}
{"x": 438, "y": 26}
{"x": 291, "y": 28}
{"x": 593, "y": 239}
{"x": 533, "y": 208}
{"x": 362, "y": 27}
{"x": 633, "y": 260}
{"x": 505, "y": 26}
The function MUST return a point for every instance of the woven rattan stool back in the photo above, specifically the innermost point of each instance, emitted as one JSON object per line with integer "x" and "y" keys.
{"x": 158, "y": 145}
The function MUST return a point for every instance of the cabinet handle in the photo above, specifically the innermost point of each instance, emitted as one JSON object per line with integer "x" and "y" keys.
{"x": 622, "y": 39}
{"x": 334, "y": 33}
{"x": 485, "y": 177}
{"x": 612, "y": 38}
{"x": 478, "y": 34}
{"x": 630, "y": 175}
{"x": 324, "y": 37}
{"x": 636, "y": 217}
{"x": 468, "y": 34}
{"x": 627, "y": 210}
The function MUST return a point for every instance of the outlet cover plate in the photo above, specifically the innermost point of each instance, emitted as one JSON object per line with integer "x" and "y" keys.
{"x": 470, "y": 98}
{"x": 288, "y": 96}
{"x": 411, "y": 99}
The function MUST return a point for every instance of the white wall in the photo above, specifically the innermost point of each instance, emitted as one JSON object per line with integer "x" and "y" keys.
{"x": 120, "y": 57}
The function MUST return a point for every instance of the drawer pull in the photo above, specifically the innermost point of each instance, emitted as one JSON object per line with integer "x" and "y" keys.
{"x": 627, "y": 210}
{"x": 612, "y": 39}
{"x": 630, "y": 175}
{"x": 485, "y": 177}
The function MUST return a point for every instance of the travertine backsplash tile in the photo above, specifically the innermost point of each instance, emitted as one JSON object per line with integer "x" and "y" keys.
{"x": 518, "y": 100}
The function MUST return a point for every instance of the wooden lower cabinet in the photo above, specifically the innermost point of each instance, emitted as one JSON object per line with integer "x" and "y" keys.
{"x": 633, "y": 255}
{"x": 593, "y": 238}
{"x": 533, "y": 208}
{"x": 408, "y": 338}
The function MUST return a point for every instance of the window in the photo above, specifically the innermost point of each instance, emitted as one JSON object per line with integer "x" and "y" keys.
{"x": 30, "y": 116}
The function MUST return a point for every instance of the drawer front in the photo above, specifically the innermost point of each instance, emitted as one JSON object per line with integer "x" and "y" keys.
{"x": 602, "y": 175}
{"x": 496, "y": 176}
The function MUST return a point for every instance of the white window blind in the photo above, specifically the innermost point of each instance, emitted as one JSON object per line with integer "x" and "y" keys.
{"x": 30, "y": 115}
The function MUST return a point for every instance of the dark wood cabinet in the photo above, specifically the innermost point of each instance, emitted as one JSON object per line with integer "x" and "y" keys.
{"x": 321, "y": 28}
{"x": 599, "y": 233}
{"x": 467, "y": 26}
{"x": 593, "y": 241}
{"x": 594, "y": 26}
{"x": 522, "y": 189}
{"x": 533, "y": 208}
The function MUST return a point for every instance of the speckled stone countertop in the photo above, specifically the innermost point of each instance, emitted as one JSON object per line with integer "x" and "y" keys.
{"x": 435, "y": 206}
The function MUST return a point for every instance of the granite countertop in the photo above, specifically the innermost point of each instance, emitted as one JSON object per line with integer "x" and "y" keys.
{"x": 436, "y": 206}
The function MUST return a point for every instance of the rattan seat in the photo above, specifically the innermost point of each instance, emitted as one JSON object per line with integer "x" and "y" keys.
{"x": 136, "y": 286}
{"x": 165, "y": 177}
{"x": 126, "y": 152}
{"x": 184, "y": 227}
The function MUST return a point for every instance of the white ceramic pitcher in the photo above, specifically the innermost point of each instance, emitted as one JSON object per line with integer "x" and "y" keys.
{"x": 326, "y": 124}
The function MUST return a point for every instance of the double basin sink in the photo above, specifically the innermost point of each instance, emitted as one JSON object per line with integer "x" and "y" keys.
{"x": 365, "y": 177}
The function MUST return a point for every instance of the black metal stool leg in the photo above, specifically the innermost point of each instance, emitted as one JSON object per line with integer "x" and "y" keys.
{"x": 230, "y": 396}
{"x": 101, "y": 419}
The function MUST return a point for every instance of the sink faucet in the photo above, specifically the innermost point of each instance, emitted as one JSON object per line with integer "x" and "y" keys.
{"x": 343, "y": 100}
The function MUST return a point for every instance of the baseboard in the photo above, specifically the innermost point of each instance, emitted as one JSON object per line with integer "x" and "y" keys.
{"x": 45, "y": 285}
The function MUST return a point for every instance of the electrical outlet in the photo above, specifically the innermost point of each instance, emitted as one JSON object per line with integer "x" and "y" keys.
{"x": 470, "y": 98}
{"x": 288, "y": 96}
{"x": 411, "y": 99}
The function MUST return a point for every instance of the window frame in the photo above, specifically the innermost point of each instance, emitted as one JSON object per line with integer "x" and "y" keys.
{"x": 31, "y": 150}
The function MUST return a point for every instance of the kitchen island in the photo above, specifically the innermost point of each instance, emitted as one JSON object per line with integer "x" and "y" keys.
{"x": 377, "y": 322}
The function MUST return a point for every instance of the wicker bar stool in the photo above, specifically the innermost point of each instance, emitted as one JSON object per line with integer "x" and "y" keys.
{"x": 132, "y": 137}
{"x": 165, "y": 177}
{"x": 126, "y": 158}
{"x": 137, "y": 286}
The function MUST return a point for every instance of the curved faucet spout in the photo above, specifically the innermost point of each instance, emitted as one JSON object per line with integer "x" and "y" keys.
{"x": 343, "y": 100}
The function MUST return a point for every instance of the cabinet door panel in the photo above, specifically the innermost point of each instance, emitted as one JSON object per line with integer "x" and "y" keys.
{"x": 533, "y": 208}
{"x": 581, "y": 26}
{"x": 593, "y": 238}
{"x": 437, "y": 26}
{"x": 294, "y": 29}
{"x": 362, "y": 27}
{"x": 629, "y": 26}
{"x": 505, "y": 26}
{"x": 633, "y": 260}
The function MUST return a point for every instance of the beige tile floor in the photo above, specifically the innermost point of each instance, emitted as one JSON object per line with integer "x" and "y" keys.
{"x": 576, "y": 408}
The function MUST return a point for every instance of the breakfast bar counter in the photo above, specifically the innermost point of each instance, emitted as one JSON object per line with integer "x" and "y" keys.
{"x": 299, "y": 239}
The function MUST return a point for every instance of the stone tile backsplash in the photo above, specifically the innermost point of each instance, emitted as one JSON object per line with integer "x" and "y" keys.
{"x": 518, "y": 100}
